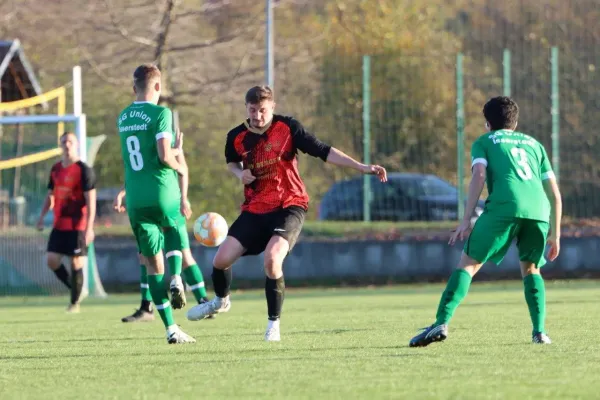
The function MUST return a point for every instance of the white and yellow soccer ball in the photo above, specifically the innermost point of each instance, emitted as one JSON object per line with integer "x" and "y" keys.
{"x": 210, "y": 229}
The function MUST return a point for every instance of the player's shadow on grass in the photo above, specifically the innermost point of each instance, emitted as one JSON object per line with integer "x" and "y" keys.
{"x": 522, "y": 302}
{"x": 312, "y": 332}
{"x": 137, "y": 338}
{"x": 40, "y": 321}
{"x": 41, "y": 357}
{"x": 322, "y": 349}
{"x": 327, "y": 331}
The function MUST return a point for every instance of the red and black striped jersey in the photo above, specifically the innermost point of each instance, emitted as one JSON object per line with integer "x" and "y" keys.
{"x": 68, "y": 185}
{"x": 271, "y": 156}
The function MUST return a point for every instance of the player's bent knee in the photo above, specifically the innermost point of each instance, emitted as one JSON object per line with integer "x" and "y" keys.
{"x": 77, "y": 262}
{"x": 275, "y": 253}
{"x": 53, "y": 260}
{"x": 273, "y": 269}
{"x": 529, "y": 268}
{"x": 229, "y": 252}
{"x": 223, "y": 260}
{"x": 469, "y": 264}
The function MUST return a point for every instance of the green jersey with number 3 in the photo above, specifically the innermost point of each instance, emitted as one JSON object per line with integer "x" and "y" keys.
{"x": 516, "y": 165}
{"x": 149, "y": 183}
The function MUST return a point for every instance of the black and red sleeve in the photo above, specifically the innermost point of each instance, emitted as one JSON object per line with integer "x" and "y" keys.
{"x": 50, "y": 180}
{"x": 306, "y": 142}
{"x": 88, "y": 177}
{"x": 231, "y": 154}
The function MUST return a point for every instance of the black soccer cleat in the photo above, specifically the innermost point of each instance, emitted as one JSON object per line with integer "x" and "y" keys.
{"x": 139, "y": 316}
{"x": 434, "y": 333}
{"x": 178, "y": 300}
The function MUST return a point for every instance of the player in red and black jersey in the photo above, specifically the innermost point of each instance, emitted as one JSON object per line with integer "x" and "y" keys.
{"x": 262, "y": 153}
{"x": 72, "y": 196}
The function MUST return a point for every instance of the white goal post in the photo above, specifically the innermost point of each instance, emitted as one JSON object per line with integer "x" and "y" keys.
{"x": 92, "y": 283}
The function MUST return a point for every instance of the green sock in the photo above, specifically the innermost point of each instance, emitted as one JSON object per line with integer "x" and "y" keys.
{"x": 535, "y": 295}
{"x": 161, "y": 298}
{"x": 175, "y": 261}
{"x": 456, "y": 290}
{"x": 193, "y": 277}
{"x": 144, "y": 288}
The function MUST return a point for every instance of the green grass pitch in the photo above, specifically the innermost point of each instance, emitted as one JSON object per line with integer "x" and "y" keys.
{"x": 336, "y": 344}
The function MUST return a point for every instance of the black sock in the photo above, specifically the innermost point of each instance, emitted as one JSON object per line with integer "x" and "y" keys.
{"x": 62, "y": 274}
{"x": 221, "y": 281}
{"x": 146, "y": 306}
{"x": 76, "y": 285}
{"x": 275, "y": 292}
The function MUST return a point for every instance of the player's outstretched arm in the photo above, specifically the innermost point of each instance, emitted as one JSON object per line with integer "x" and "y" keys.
{"x": 341, "y": 159}
{"x": 554, "y": 196}
{"x": 309, "y": 144}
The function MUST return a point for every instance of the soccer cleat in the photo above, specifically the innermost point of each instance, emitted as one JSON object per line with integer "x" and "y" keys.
{"x": 73, "y": 308}
{"x": 139, "y": 316}
{"x": 273, "y": 334}
{"x": 177, "y": 336}
{"x": 203, "y": 310}
{"x": 433, "y": 333}
{"x": 178, "y": 300}
{"x": 206, "y": 300}
{"x": 541, "y": 338}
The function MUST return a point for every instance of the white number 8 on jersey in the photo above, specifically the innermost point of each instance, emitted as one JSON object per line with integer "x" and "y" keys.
{"x": 135, "y": 157}
{"x": 521, "y": 156}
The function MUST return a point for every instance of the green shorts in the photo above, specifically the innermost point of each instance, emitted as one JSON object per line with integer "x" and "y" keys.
{"x": 492, "y": 236}
{"x": 176, "y": 240}
{"x": 148, "y": 224}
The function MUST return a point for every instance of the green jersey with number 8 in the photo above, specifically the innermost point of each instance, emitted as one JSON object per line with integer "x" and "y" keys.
{"x": 149, "y": 183}
{"x": 516, "y": 165}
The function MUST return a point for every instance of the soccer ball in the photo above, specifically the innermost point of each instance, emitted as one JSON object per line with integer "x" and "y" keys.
{"x": 210, "y": 229}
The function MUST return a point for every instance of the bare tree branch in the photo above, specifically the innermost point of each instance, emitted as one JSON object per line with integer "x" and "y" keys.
{"x": 163, "y": 33}
{"x": 98, "y": 70}
{"x": 206, "y": 43}
{"x": 124, "y": 32}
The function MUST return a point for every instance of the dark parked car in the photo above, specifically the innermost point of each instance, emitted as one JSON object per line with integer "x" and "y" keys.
{"x": 405, "y": 197}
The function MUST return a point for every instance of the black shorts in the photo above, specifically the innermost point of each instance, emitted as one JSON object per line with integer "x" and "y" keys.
{"x": 254, "y": 231}
{"x": 68, "y": 243}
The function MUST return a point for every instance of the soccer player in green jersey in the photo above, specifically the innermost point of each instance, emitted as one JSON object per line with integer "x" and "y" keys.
{"x": 154, "y": 200}
{"x": 179, "y": 258}
{"x": 524, "y": 203}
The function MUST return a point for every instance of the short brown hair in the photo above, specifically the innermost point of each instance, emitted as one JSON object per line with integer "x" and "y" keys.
{"x": 258, "y": 94}
{"x": 145, "y": 75}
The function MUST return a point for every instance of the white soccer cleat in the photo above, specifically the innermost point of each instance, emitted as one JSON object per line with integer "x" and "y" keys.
{"x": 177, "y": 289}
{"x": 177, "y": 336}
{"x": 273, "y": 334}
{"x": 541, "y": 338}
{"x": 73, "y": 308}
{"x": 215, "y": 306}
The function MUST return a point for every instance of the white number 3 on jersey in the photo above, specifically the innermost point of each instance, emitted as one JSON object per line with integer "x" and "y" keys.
{"x": 520, "y": 156}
